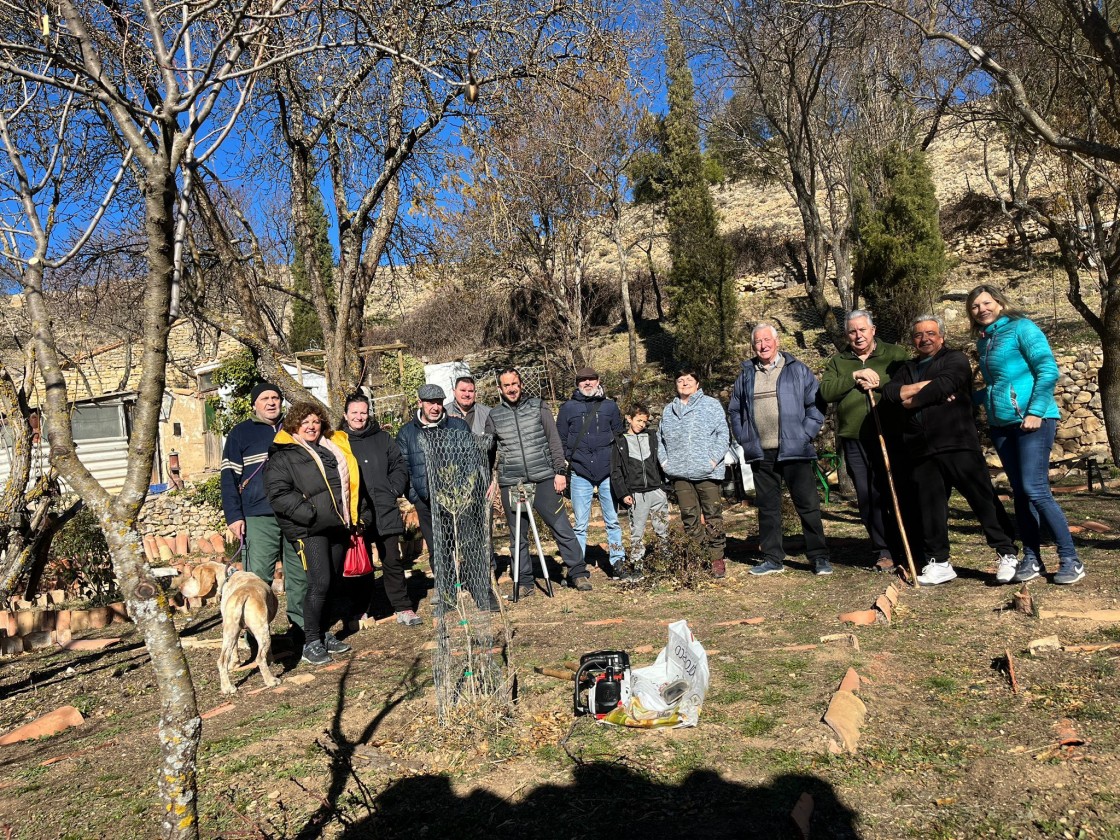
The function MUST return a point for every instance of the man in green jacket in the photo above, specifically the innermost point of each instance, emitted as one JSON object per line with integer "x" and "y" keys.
{"x": 849, "y": 377}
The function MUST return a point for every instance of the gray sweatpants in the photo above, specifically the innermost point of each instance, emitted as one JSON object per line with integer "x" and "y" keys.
{"x": 653, "y": 507}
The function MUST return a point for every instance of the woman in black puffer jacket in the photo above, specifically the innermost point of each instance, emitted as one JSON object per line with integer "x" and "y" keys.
{"x": 384, "y": 479}
{"x": 312, "y": 485}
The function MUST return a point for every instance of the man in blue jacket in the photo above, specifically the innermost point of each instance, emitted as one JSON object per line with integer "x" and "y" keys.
{"x": 248, "y": 514}
{"x": 775, "y": 417}
{"x": 587, "y": 424}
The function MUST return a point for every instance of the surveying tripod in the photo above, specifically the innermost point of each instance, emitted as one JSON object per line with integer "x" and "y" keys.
{"x": 525, "y": 494}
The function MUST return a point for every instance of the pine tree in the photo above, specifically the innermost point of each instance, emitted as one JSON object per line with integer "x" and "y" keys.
{"x": 900, "y": 256}
{"x": 704, "y": 304}
{"x": 305, "y": 330}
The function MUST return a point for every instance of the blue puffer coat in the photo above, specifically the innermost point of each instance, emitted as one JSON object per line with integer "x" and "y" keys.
{"x": 1019, "y": 369}
{"x": 799, "y": 417}
{"x": 591, "y": 457}
{"x": 693, "y": 438}
{"x": 408, "y": 441}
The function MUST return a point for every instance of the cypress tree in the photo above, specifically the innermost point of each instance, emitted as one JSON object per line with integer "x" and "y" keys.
{"x": 900, "y": 255}
{"x": 704, "y": 304}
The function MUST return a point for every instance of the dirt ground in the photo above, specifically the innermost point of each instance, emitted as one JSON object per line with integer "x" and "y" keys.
{"x": 947, "y": 750}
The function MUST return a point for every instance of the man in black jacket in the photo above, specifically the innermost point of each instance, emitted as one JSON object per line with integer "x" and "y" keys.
{"x": 431, "y": 417}
{"x": 384, "y": 479}
{"x": 248, "y": 513}
{"x": 940, "y": 436}
{"x": 587, "y": 424}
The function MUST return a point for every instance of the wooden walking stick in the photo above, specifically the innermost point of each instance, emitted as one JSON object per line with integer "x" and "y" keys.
{"x": 894, "y": 493}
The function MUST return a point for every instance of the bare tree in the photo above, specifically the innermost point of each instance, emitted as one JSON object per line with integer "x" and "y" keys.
{"x": 164, "y": 84}
{"x": 373, "y": 131}
{"x": 813, "y": 89}
{"x": 1055, "y": 65}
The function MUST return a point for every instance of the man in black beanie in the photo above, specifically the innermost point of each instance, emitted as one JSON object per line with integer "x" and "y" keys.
{"x": 246, "y": 507}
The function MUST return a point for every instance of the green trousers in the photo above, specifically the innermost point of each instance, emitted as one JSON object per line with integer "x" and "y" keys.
{"x": 264, "y": 545}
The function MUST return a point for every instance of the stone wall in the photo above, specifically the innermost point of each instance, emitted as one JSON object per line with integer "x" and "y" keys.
{"x": 1081, "y": 430}
{"x": 169, "y": 514}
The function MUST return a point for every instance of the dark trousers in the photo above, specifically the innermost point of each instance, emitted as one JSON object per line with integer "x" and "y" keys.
{"x": 863, "y": 460}
{"x": 798, "y": 476}
{"x": 550, "y": 508}
{"x": 324, "y": 602}
{"x": 934, "y": 477}
{"x": 388, "y": 549}
{"x": 702, "y": 497}
{"x": 472, "y": 545}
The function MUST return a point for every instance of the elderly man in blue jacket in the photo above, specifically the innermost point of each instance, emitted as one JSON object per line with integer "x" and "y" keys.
{"x": 775, "y": 417}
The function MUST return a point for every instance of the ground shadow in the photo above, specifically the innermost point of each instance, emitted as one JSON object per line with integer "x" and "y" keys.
{"x": 605, "y": 799}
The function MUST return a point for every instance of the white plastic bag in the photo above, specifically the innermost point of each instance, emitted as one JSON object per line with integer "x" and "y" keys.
{"x": 671, "y": 691}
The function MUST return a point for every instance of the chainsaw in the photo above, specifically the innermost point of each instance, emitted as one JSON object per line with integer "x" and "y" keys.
{"x": 604, "y": 676}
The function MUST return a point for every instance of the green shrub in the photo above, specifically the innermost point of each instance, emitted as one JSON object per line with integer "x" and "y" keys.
{"x": 208, "y": 492}
{"x": 238, "y": 372}
{"x": 79, "y": 560}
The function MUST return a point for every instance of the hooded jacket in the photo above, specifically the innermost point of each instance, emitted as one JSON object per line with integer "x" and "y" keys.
{"x": 299, "y": 488}
{"x": 384, "y": 474}
{"x": 408, "y": 441}
{"x": 692, "y": 437}
{"x": 630, "y": 475}
{"x": 589, "y": 456}
{"x": 799, "y": 417}
{"x": 477, "y": 418}
{"x": 1020, "y": 371}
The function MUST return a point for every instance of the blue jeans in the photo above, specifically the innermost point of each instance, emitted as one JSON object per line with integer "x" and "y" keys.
{"x": 1026, "y": 460}
{"x": 582, "y": 491}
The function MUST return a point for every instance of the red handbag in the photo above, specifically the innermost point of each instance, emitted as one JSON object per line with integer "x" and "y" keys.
{"x": 357, "y": 561}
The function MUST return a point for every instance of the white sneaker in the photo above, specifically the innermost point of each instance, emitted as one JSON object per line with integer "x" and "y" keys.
{"x": 934, "y": 573}
{"x": 1008, "y": 563}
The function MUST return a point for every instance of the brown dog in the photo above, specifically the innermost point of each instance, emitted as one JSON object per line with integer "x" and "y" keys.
{"x": 247, "y": 602}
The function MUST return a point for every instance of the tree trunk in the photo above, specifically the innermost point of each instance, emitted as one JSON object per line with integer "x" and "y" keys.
{"x": 180, "y": 726}
{"x": 1108, "y": 378}
{"x": 624, "y": 290}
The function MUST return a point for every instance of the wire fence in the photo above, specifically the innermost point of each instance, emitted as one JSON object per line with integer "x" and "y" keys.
{"x": 471, "y": 635}
{"x": 536, "y": 381}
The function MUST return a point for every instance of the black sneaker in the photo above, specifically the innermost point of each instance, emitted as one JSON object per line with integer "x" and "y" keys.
{"x": 821, "y": 566}
{"x": 333, "y": 644}
{"x": 314, "y": 653}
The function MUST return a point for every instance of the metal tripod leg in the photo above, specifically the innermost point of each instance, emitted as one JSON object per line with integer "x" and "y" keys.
{"x": 516, "y": 554}
{"x": 540, "y": 553}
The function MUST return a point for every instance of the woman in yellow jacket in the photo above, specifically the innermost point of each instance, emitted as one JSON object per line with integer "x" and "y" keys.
{"x": 312, "y": 485}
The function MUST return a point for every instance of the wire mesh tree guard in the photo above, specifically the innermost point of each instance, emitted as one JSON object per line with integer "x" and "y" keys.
{"x": 471, "y": 663}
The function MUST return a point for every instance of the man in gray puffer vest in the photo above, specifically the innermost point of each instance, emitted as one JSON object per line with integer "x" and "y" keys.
{"x": 530, "y": 453}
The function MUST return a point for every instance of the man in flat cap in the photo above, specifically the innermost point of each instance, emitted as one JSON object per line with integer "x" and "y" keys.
{"x": 587, "y": 424}
{"x": 248, "y": 513}
{"x": 431, "y": 417}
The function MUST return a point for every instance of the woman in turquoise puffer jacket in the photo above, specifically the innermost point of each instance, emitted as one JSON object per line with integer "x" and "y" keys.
{"x": 1020, "y": 372}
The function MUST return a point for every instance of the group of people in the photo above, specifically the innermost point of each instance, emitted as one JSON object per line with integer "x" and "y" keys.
{"x": 295, "y": 491}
